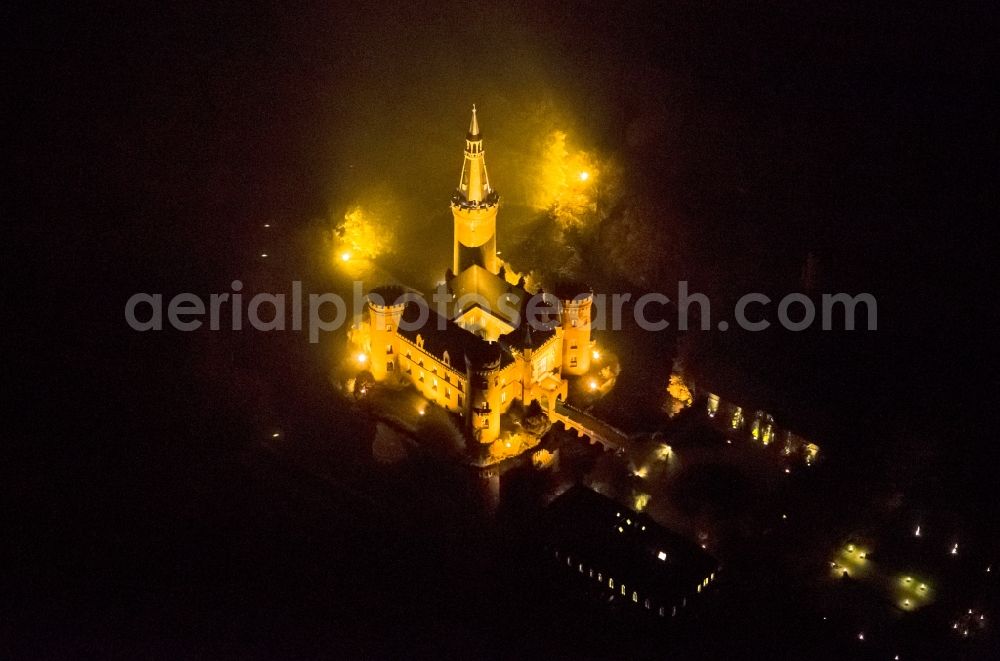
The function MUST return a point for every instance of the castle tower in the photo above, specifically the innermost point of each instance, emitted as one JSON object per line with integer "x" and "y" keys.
{"x": 483, "y": 403}
{"x": 385, "y": 308}
{"x": 575, "y": 301}
{"x": 474, "y": 207}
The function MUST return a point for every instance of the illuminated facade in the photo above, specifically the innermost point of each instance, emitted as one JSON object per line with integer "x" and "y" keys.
{"x": 477, "y": 354}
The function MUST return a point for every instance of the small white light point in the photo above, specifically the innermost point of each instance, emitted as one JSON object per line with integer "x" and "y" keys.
{"x": 861, "y": 635}
{"x": 361, "y": 358}
{"x": 916, "y": 533}
{"x": 595, "y": 354}
{"x": 954, "y": 549}
{"x": 267, "y": 224}
{"x": 263, "y": 254}
{"x": 345, "y": 256}
{"x": 584, "y": 176}
{"x": 276, "y": 435}
{"x": 788, "y": 470}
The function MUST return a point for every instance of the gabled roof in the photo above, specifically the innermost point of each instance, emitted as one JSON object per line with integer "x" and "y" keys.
{"x": 477, "y": 286}
{"x": 441, "y": 334}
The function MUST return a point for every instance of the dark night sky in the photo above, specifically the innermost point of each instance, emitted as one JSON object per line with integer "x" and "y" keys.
{"x": 146, "y": 146}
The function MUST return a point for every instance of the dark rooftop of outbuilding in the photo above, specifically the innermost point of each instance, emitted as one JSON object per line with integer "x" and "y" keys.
{"x": 585, "y": 524}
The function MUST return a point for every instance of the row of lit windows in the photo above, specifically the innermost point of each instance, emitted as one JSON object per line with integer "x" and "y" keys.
{"x": 622, "y": 590}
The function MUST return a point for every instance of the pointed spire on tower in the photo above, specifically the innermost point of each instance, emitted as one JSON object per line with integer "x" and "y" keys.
{"x": 474, "y": 125}
{"x": 474, "y": 184}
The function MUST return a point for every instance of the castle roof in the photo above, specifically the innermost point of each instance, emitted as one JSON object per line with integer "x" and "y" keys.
{"x": 441, "y": 334}
{"x": 478, "y": 286}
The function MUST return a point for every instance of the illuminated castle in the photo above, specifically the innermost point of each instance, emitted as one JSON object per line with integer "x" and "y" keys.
{"x": 476, "y": 354}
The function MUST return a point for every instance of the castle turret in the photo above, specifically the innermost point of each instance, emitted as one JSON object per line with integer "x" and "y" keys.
{"x": 575, "y": 301}
{"x": 385, "y": 308}
{"x": 474, "y": 207}
{"x": 483, "y": 404}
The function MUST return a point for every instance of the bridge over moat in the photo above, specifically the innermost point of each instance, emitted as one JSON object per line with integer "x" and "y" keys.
{"x": 585, "y": 424}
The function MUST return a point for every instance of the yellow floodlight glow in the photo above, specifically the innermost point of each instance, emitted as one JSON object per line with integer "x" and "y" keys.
{"x": 592, "y": 384}
{"x": 361, "y": 358}
{"x": 595, "y": 354}
{"x": 584, "y": 176}
{"x": 345, "y": 256}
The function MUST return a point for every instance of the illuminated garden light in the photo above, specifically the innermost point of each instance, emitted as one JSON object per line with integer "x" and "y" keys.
{"x": 592, "y": 385}
{"x": 361, "y": 358}
{"x": 595, "y": 354}
{"x": 584, "y": 176}
{"x": 345, "y": 256}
